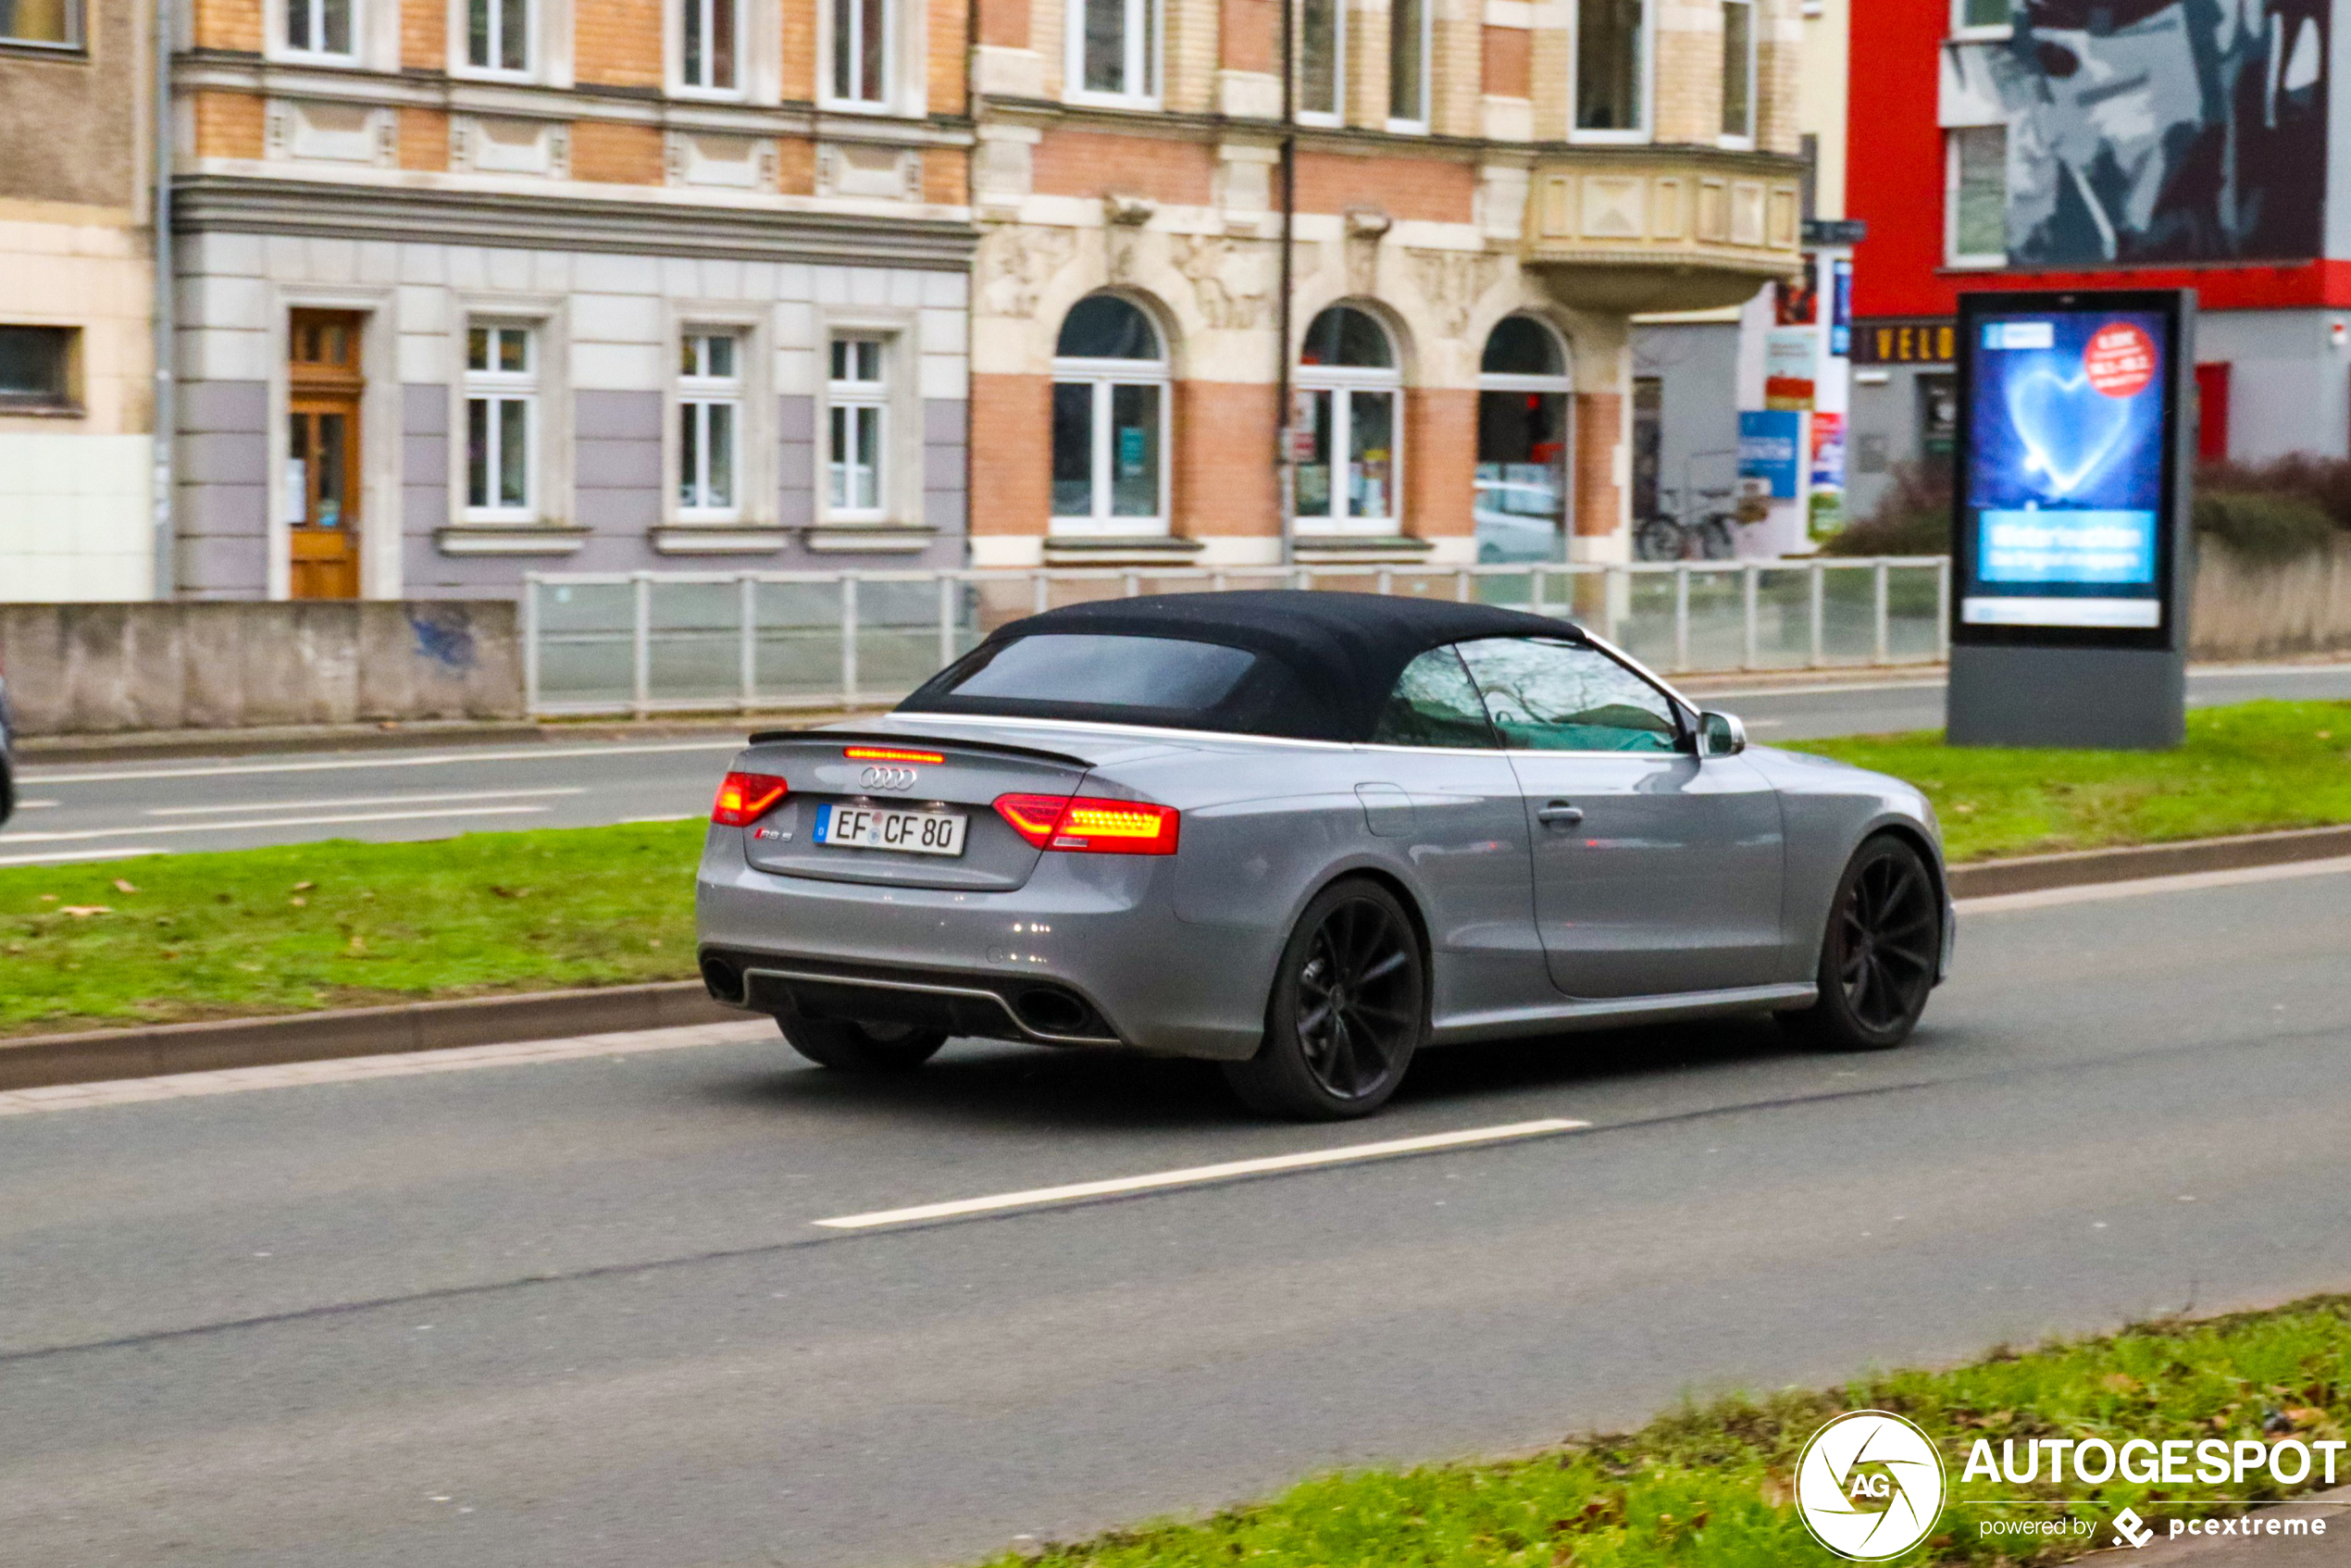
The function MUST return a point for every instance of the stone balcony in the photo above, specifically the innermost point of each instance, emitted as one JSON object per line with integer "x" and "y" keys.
{"x": 1659, "y": 229}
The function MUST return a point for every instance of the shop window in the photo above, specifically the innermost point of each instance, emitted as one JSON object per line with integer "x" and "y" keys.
{"x": 1348, "y": 426}
{"x": 1522, "y": 391}
{"x": 1110, "y": 421}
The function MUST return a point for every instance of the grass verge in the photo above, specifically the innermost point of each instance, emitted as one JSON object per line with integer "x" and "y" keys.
{"x": 2247, "y": 768}
{"x": 1711, "y": 1487}
{"x": 245, "y": 932}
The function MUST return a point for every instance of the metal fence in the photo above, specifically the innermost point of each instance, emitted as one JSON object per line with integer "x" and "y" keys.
{"x": 654, "y": 643}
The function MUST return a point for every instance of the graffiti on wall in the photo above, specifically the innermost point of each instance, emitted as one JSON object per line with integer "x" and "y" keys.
{"x": 2155, "y": 131}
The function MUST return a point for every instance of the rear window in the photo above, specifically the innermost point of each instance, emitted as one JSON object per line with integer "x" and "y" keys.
{"x": 1082, "y": 669}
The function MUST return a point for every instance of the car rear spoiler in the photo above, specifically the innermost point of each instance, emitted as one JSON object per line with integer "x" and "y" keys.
{"x": 893, "y": 738}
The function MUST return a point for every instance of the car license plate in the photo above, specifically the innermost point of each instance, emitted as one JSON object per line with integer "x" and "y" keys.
{"x": 867, "y": 828}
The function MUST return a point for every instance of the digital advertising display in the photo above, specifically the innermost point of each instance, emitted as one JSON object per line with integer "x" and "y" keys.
{"x": 2068, "y": 426}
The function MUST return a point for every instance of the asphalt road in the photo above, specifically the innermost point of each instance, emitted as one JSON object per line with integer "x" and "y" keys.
{"x": 101, "y": 811}
{"x": 583, "y": 1312}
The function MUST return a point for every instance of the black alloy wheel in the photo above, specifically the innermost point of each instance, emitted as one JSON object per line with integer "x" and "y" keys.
{"x": 862, "y": 1048}
{"x": 1879, "y": 954}
{"x": 1349, "y": 1007}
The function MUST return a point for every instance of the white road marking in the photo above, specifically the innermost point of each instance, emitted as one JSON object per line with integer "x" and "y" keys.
{"x": 641, "y": 821}
{"x": 1196, "y": 1174}
{"x": 2185, "y": 882}
{"x": 384, "y": 759}
{"x": 362, "y": 800}
{"x": 399, "y": 1064}
{"x": 35, "y": 805}
{"x": 11, "y": 839}
{"x": 61, "y": 856}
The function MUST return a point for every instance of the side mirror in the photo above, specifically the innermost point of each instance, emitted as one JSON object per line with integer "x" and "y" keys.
{"x": 1720, "y": 735}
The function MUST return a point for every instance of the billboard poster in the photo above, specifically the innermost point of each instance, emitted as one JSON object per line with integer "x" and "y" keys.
{"x": 1768, "y": 453}
{"x": 1841, "y": 307}
{"x": 2067, "y": 424}
{"x": 1791, "y": 366}
{"x": 1828, "y": 474}
{"x": 2148, "y": 130}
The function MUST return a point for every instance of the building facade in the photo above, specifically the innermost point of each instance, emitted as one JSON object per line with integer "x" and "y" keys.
{"x": 2161, "y": 144}
{"x": 474, "y": 288}
{"x": 1473, "y": 198}
{"x": 77, "y": 484}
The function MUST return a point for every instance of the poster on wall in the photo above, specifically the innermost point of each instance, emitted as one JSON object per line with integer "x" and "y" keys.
{"x": 1791, "y": 367}
{"x": 2149, "y": 130}
{"x": 1768, "y": 461}
{"x": 1827, "y": 509}
{"x": 2068, "y": 425}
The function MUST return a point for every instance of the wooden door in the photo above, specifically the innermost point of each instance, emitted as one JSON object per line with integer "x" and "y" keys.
{"x": 322, "y": 454}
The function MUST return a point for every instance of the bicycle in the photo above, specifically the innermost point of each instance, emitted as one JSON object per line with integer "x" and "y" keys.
{"x": 1695, "y": 534}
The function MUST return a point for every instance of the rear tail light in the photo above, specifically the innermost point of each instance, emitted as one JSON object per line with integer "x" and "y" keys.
{"x": 1091, "y": 825}
{"x": 745, "y": 797}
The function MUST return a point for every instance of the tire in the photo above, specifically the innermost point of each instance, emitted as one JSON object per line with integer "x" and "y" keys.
{"x": 1878, "y": 955}
{"x": 870, "y": 1049}
{"x": 1349, "y": 1008}
{"x": 1659, "y": 539}
{"x": 1715, "y": 541}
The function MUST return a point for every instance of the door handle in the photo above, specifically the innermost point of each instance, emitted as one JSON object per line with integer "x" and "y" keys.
{"x": 1559, "y": 813}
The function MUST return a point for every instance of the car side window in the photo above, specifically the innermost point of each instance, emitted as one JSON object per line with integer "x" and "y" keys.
{"x": 1544, "y": 695}
{"x": 1434, "y": 704}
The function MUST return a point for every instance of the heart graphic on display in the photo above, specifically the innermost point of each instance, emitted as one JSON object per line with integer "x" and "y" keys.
{"x": 2070, "y": 428}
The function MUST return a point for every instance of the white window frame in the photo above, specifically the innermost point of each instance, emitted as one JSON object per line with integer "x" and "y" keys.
{"x": 699, "y": 393}
{"x": 502, "y": 387}
{"x": 1344, "y": 383}
{"x": 1952, "y": 256}
{"x": 1964, "y": 30}
{"x": 280, "y": 17}
{"x": 1101, "y": 375}
{"x": 1744, "y": 140}
{"x": 703, "y": 11}
{"x": 1143, "y": 53}
{"x": 1405, "y": 124}
{"x": 461, "y": 42}
{"x": 1336, "y": 114}
{"x": 852, "y": 401}
{"x": 1646, "y": 130}
{"x": 829, "y": 44}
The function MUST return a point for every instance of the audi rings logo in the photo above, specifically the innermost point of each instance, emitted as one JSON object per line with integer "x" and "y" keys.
{"x": 1870, "y": 1486}
{"x": 881, "y": 778}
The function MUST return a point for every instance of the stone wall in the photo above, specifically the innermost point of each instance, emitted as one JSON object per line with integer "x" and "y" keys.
{"x": 94, "y": 669}
{"x": 2247, "y": 609}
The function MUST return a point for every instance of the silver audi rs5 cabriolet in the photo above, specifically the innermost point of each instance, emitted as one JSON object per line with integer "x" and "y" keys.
{"x": 1304, "y": 834}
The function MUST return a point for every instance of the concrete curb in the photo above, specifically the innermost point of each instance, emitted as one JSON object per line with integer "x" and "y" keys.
{"x": 92, "y": 1055}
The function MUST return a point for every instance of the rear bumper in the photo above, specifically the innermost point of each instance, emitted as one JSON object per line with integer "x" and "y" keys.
{"x": 1087, "y": 953}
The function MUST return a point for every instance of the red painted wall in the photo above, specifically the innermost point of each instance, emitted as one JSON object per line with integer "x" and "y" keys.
{"x": 1894, "y": 183}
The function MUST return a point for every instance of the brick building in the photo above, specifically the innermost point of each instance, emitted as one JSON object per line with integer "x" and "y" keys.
{"x": 77, "y": 485}
{"x": 1485, "y": 192}
{"x": 470, "y": 288}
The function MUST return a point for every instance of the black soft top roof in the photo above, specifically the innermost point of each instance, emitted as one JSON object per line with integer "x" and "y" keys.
{"x": 1337, "y": 655}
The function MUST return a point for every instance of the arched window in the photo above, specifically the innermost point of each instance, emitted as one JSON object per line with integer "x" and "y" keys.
{"x": 1348, "y": 426}
{"x": 1110, "y": 421}
{"x": 1523, "y": 387}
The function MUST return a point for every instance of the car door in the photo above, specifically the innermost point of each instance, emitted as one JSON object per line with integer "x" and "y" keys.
{"x": 1433, "y": 779}
{"x": 1655, "y": 872}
